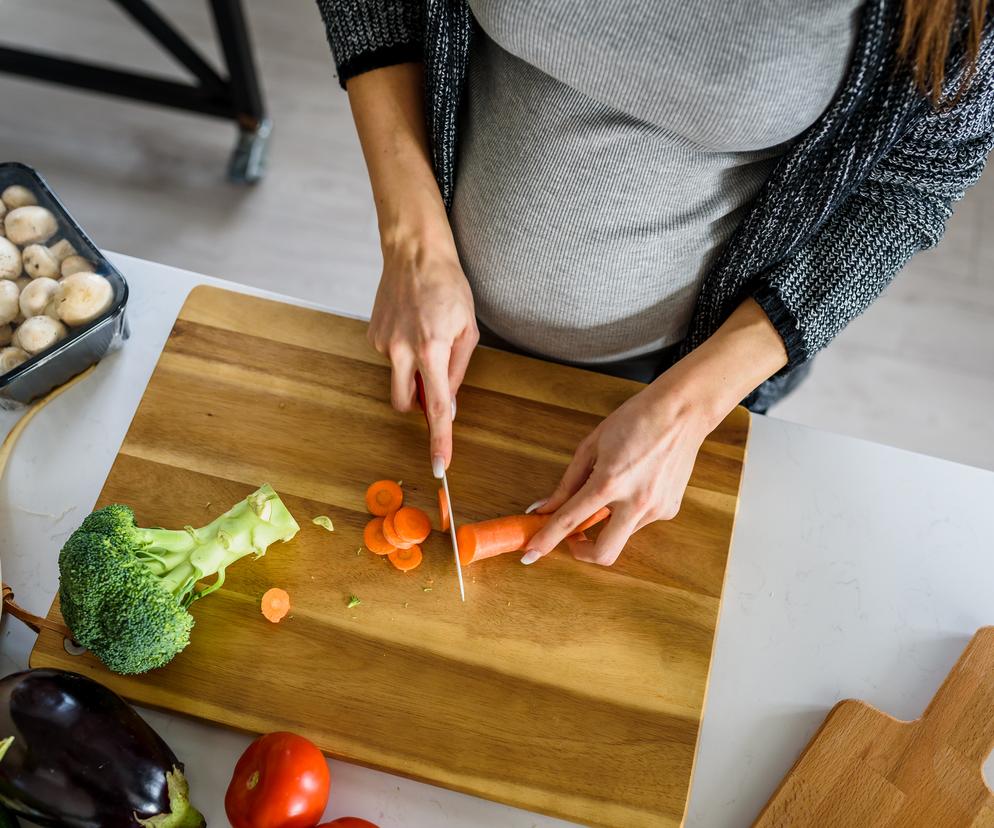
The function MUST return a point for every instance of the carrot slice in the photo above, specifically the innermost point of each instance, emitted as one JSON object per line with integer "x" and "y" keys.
{"x": 507, "y": 534}
{"x": 390, "y": 533}
{"x": 411, "y": 525}
{"x": 383, "y": 497}
{"x": 443, "y": 510}
{"x": 406, "y": 559}
{"x": 372, "y": 536}
{"x": 275, "y": 604}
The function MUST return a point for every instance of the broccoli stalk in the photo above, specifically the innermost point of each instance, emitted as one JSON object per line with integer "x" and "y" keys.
{"x": 181, "y": 558}
{"x": 125, "y": 590}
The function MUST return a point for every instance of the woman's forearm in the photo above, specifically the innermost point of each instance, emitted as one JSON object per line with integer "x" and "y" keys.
{"x": 710, "y": 381}
{"x": 387, "y": 106}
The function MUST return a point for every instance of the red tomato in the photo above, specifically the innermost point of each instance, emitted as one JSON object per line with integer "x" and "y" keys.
{"x": 281, "y": 781}
{"x": 347, "y": 822}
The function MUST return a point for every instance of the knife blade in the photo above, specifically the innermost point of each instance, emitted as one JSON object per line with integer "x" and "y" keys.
{"x": 422, "y": 402}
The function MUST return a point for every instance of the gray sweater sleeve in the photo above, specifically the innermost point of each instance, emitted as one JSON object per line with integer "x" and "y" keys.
{"x": 899, "y": 209}
{"x": 368, "y": 34}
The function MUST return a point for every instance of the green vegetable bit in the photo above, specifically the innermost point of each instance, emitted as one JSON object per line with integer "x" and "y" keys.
{"x": 325, "y": 522}
{"x": 353, "y": 601}
{"x": 125, "y": 590}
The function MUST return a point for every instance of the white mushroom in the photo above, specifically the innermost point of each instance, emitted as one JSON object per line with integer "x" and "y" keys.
{"x": 36, "y": 334}
{"x": 9, "y": 306}
{"x": 36, "y": 296}
{"x": 46, "y": 261}
{"x": 10, "y": 358}
{"x": 6, "y": 332}
{"x": 30, "y": 225}
{"x": 17, "y": 196}
{"x": 21, "y": 282}
{"x": 82, "y": 297}
{"x": 75, "y": 264}
{"x": 10, "y": 260}
{"x": 3, "y": 212}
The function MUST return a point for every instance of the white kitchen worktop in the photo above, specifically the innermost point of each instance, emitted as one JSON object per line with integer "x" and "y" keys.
{"x": 856, "y": 571}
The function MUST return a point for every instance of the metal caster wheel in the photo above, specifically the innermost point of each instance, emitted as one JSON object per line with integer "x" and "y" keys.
{"x": 248, "y": 161}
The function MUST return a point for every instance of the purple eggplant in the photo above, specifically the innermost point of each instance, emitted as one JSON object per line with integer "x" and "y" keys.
{"x": 73, "y": 754}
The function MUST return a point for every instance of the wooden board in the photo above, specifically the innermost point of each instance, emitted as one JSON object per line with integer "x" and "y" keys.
{"x": 864, "y": 767}
{"x": 563, "y": 687}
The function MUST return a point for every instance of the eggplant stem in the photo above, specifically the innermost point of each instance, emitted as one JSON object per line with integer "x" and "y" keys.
{"x": 5, "y": 746}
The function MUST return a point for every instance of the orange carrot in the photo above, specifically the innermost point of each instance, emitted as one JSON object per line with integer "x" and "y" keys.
{"x": 372, "y": 536}
{"x": 508, "y": 534}
{"x": 383, "y": 497}
{"x": 406, "y": 559}
{"x": 411, "y": 525}
{"x": 390, "y": 533}
{"x": 275, "y": 604}
{"x": 443, "y": 510}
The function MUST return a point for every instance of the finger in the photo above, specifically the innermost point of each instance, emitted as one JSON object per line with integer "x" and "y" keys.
{"x": 576, "y": 543}
{"x": 622, "y": 524}
{"x": 562, "y": 523}
{"x": 576, "y": 474}
{"x": 462, "y": 350}
{"x": 438, "y": 404}
{"x": 402, "y": 379}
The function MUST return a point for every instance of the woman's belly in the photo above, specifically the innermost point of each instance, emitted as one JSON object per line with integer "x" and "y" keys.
{"x": 584, "y": 232}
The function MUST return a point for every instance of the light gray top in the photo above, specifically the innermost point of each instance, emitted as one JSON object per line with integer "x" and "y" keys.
{"x": 609, "y": 149}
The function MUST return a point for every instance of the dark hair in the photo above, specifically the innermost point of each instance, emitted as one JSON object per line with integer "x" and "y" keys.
{"x": 930, "y": 30}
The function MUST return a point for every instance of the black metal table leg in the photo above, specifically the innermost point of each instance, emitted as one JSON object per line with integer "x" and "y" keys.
{"x": 237, "y": 97}
{"x": 248, "y": 161}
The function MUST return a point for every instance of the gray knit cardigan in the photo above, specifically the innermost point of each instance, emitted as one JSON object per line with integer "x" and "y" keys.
{"x": 855, "y": 196}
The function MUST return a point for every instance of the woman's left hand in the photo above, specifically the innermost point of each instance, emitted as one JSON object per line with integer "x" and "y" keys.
{"x": 637, "y": 462}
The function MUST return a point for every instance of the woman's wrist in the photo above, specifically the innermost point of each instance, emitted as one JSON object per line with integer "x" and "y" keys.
{"x": 715, "y": 377}
{"x": 418, "y": 240}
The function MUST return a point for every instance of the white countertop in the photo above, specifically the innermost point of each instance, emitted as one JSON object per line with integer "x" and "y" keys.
{"x": 856, "y": 570}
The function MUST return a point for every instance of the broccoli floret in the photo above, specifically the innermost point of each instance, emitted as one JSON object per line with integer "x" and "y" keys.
{"x": 125, "y": 591}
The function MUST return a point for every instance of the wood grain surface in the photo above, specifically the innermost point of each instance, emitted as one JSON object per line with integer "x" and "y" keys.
{"x": 563, "y": 687}
{"x": 865, "y": 768}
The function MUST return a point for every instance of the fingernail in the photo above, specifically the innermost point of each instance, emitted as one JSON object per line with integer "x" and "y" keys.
{"x": 538, "y": 504}
{"x": 530, "y": 556}
{"x": 453, "y": 408}
{"x": 438, "y": 465}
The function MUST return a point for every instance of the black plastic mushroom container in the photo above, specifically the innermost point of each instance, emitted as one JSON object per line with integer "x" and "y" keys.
{"x": 85, "y": 345}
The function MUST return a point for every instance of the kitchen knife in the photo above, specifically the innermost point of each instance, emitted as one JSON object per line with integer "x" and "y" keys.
{"x": 423, "y": 402}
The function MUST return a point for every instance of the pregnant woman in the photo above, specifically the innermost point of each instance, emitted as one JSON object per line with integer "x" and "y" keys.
{"x": 699, "y": 196}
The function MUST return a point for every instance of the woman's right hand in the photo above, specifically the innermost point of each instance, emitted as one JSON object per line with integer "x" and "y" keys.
{"x": 423, "y": 320}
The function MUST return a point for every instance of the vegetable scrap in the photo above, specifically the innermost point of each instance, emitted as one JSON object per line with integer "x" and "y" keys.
{"x": 353, "y": 602}
{"x": 275, "y": 604}
{"x": 374, "y": 538}
{"x": 443, "y": 510}
{"x": 383, "y": 497}
{"x": 406, "y": 559}
{"x": 324, "y": 522}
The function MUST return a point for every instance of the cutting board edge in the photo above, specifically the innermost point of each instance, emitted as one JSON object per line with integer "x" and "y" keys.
{"x": 739, "y": 411}
{"x": 740, "y": 419}
{"x": 39, "y": 659}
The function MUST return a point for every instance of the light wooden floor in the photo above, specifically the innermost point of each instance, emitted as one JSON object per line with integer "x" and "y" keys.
{"x": 917, "y": 371}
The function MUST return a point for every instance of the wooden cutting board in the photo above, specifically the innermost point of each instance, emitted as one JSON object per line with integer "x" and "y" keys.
{"x": 563, "y": 687}
{"x": 865, "y": 768}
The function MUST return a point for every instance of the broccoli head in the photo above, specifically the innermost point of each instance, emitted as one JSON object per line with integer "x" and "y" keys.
{"x": 125, "y": 591}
